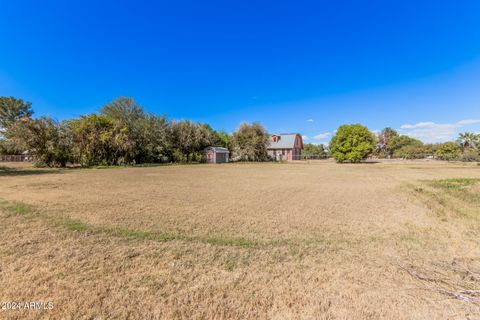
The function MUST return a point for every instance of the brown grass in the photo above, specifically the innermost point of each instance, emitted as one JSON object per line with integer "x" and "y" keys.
{"x": 311, "y": 240}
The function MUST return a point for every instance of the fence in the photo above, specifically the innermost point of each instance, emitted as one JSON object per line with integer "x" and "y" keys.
{"x": 14, "y": 158}
{"x": 309, "y": 157}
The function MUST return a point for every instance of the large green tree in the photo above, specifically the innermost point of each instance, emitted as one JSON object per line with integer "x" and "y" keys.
{"x": 352, "y": 143}
{"x": 250, "y": 142}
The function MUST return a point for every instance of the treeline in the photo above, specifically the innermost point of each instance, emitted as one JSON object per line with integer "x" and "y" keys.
{"x": 354, "y": 143}
{"x": 393, "y": 145}
{"x": 121, "y": 133}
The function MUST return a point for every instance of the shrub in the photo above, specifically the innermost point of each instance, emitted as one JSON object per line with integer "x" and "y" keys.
{"x": 412, "y": 152}
{"x": 470, "y": 157}
{"x": 448, "y": 151}
{"x": 179, "y": 156}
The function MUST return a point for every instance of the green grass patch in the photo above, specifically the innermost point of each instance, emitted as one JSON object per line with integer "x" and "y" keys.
{"x": 450, "y": 196}
{"x": 70, "y": 224}
{"x": 22, "y": 209}
{"x": 331, "y": 242}
{"x": 453, "y": 184}
{"x": 76, "y": 225}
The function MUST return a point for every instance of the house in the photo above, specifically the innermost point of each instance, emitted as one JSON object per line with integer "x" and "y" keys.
{"x": 216, "y": 154}
{"x": 286, "y": 146}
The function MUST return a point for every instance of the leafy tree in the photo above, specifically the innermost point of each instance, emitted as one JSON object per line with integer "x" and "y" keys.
{"x": 204, "y": 136}
{"x": 12, "y": 110}
{"x": 383, "y": 142}
{"x": 399, "y": 142}
{"x": 250, "y": 141}
{"x": 155, "y": 141}
{"x": 137, "y": 137}
{"x": 223, "y": 139}
{"x": 449, "y": 151}
{"x": 183, "y": 137}
{"x": 47, "y": 140}
{"x": 12, "y": 144}
{"x": 93, "y": 137}
{"x": 352, "y": 143}
{"x": 469, "y": 140}
{"x": 127, "y": 136}
{"x": 189, "y": 139}
{"x": 316, "y": 150}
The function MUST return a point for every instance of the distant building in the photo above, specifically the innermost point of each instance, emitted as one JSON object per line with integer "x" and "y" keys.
{"x": 285, "y": 146}
{"x": 216, "y": 154}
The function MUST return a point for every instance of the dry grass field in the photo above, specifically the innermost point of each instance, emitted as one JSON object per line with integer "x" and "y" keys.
{"x": 317, "y": 240}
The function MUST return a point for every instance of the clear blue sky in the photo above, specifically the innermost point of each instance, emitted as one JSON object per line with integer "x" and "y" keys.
{"x": 295, "y": 66}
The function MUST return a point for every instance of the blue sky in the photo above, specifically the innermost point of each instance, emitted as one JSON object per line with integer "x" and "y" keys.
{"x": 295, "y": 66}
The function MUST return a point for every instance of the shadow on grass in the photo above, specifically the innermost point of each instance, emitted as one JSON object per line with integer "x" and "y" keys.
{"x": 359, "y": 163}
{"x": 8, "y": 172}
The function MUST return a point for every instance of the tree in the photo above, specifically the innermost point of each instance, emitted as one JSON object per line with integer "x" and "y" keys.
{"x": 183, "y": 137}
{"x": 250, "y": 142}
{"x": 127, "y": 136}
{"x": 155, "y": 141}
{"x": 137, "y": 137}
{"x": 12, "y": 110}
{"x": 352, "y": 143}
{"x": 383, "y": 144}
{"x": 223, "y": 139}
{"x": 314, "y": 150}
{"x": 469, "y": 140}
{"x": 92, "y": 137}
{"x": 205, "y": 136}
{"x": 124, "y": 110}
{"x": 48, "y": 141}
{"x": 399, "y": 142}
{"x": 449, "y": 151}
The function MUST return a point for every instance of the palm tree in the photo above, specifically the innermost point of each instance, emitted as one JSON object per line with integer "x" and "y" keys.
{"x": 468, "y": 140}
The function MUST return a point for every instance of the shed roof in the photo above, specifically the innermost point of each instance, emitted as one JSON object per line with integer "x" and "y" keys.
{"x": 218, "y": 149}
{"x": 286, "y": 141}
